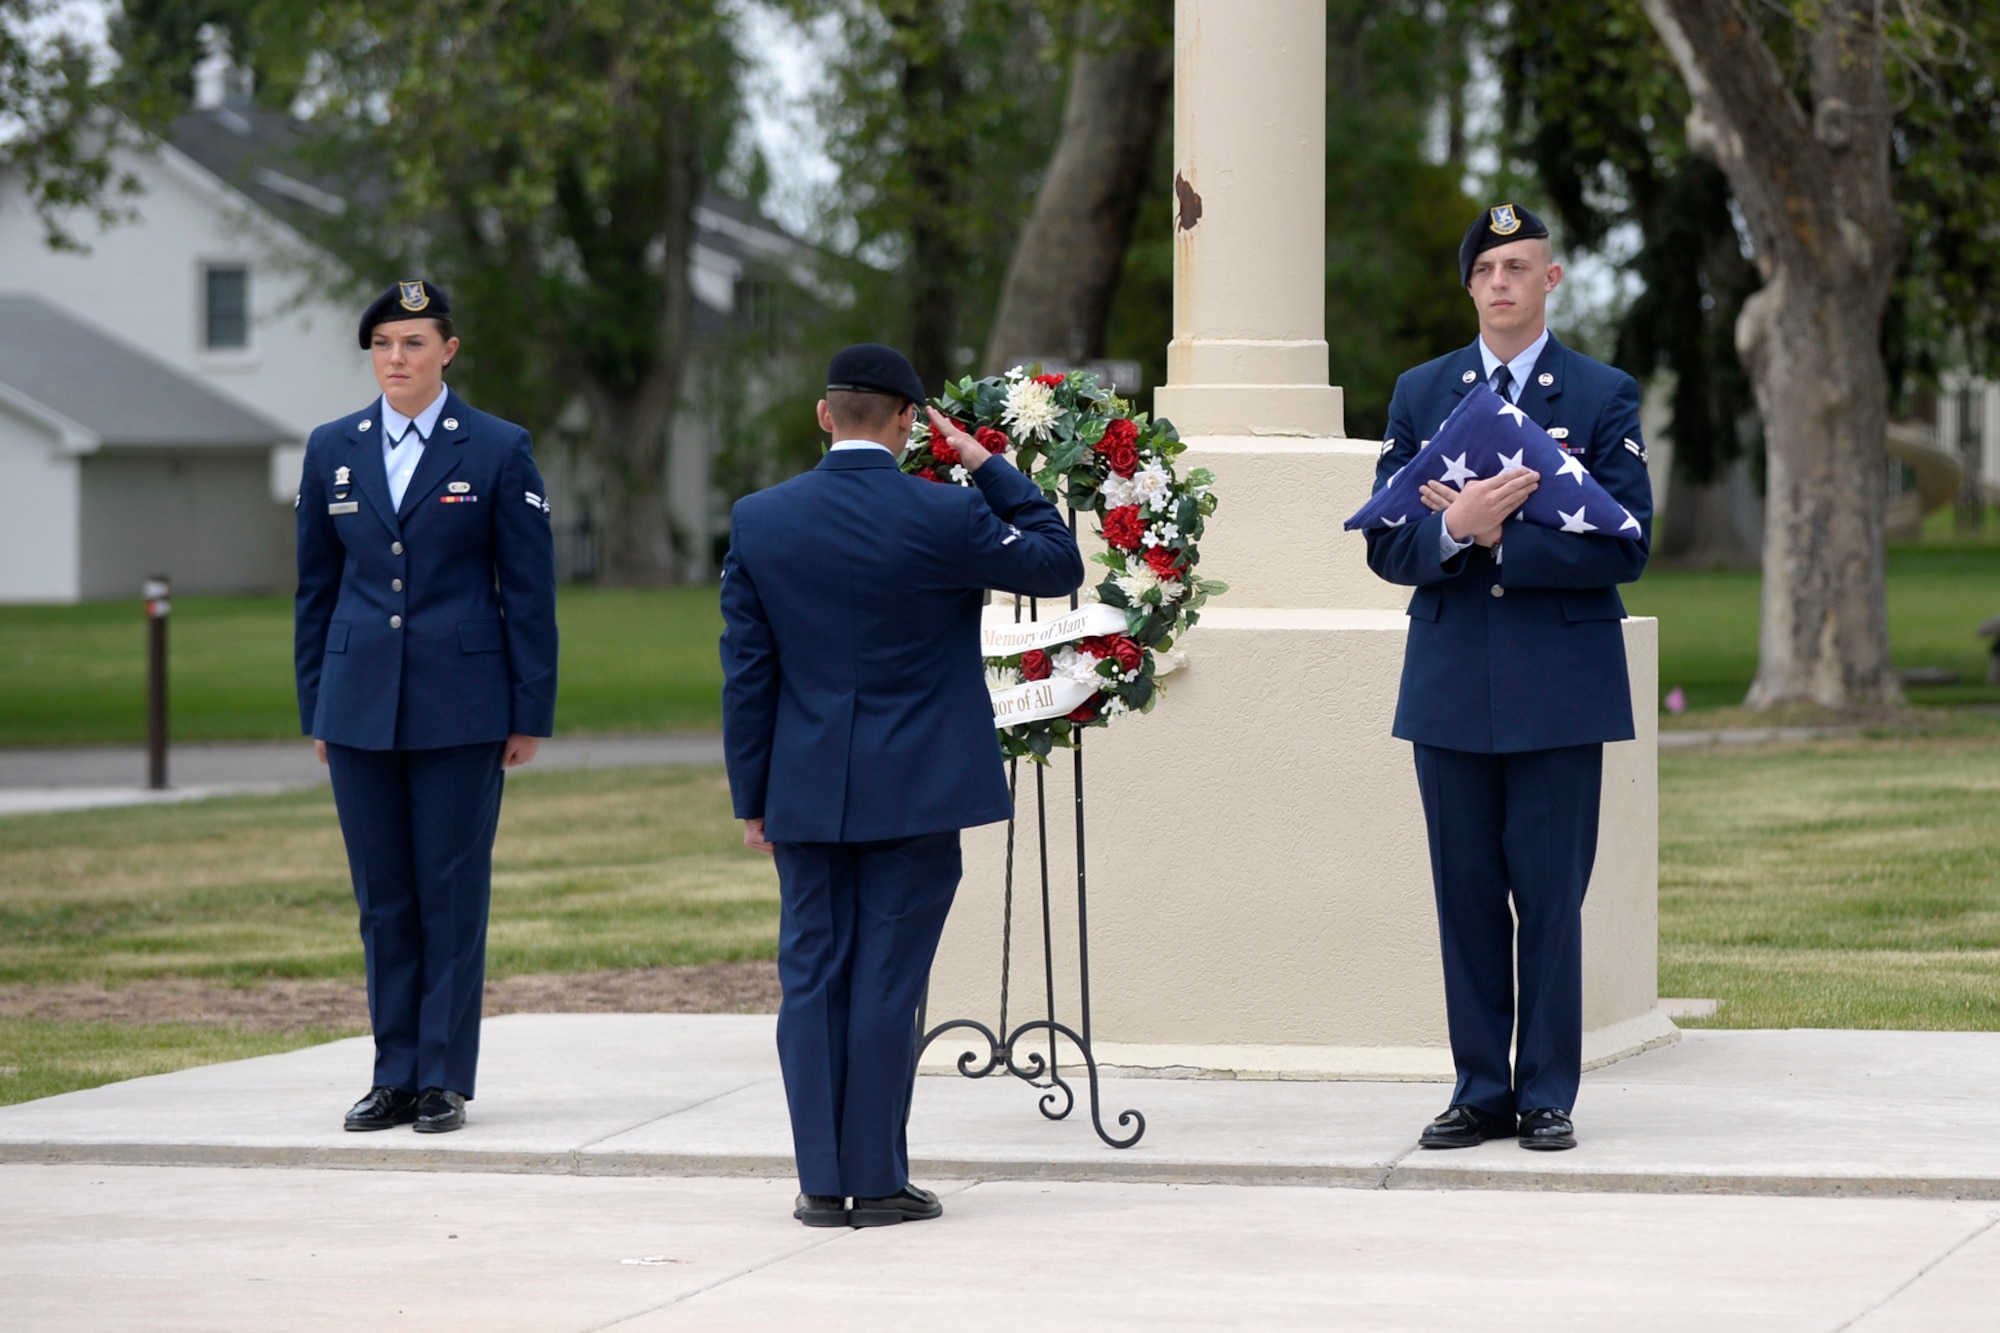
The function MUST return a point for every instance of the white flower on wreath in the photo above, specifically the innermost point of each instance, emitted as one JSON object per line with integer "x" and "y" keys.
{"x": 1116, "y": 707}
{"x": 1136, "y": 583}
{"x": 1160, "y": 534}
{"x": 1069, "y": 664}
{"x": 1154, "y": 487}
{"x": 1003, "y": 677}
{"x": 1121, "y": 491}
{"x": 960, "y": 475}
{"x": 1031, "y": 409}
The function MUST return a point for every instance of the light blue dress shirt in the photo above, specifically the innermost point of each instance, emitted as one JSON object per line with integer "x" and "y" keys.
{"x": 403, "y": 447}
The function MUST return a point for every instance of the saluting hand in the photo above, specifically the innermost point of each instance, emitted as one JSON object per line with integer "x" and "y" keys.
{"x": 970, "y": 451}
{"x": 1483, "y": 506}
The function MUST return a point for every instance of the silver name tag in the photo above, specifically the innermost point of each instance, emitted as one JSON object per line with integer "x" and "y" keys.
{"x": 347, "y": 507}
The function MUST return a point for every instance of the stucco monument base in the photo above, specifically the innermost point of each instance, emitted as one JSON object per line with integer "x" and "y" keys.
{"x": 1260, "y": 899}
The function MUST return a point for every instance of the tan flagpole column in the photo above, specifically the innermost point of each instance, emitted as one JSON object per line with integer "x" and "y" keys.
{"x": 1260, "y": 900}
{"x": 1249, "y": 349}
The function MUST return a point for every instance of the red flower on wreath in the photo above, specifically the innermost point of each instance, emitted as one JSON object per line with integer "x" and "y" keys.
{"x": 1050, "y": 380}
{"x": 1122, "y": 431}
{"x": 1095, "y": 645}
{"x": 1127, "y": 653}
{"x": 943, "y": 450}
{"x": 1161, "y": 560}
{"x": 1087, "y": 710}
{"x": 927, "y": 473}
{"x": 1035, "y": 665}
{"x": 1123, "y": 528}
{"x": 993, "y": 441}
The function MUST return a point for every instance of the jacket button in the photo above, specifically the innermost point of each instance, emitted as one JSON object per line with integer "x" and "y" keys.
{"x": 395, "y": 622}
{"x": 395, "y": 585}
{"x": 395, "y": 548}
{"x": 1499, "y": 591}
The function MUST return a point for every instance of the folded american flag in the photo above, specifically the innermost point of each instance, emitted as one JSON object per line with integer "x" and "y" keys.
{"x": 1484, "y": 436}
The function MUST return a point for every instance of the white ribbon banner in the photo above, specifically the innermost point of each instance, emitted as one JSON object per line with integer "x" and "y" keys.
{"x": 1006, "y": 638}
{"x": 1045, "y": 698}
{"x": 1039, "y": 699}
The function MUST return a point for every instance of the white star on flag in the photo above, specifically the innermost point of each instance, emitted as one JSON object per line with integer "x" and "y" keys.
{"x": 1572, "y": 467}
{"x": 1395, "y": 522}
{"x": 1509, "y": 462}
{"x": 1574, "y": 522}
{"x": 1631, "y": 523}
{"x": 1508, "y": 409}
{"x": 1456, "y": 473}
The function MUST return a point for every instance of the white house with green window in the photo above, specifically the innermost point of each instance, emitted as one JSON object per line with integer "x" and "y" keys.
{"x": 211, "y": 291}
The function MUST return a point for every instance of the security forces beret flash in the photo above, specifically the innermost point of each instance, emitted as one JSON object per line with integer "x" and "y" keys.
{"x": 1498, "y": 225}
{"x": 873, "y": 368}
{"x": 418, "y": 298}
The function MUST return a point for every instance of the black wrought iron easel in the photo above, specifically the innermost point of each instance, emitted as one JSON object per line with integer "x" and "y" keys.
{"x": 1005, "y": 1046}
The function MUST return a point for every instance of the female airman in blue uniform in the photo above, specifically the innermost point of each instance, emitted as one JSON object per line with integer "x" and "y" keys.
{"x": 425, "y": 647}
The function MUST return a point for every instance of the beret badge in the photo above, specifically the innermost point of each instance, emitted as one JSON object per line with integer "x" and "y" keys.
{"x": 1504, "y": 220}
{"x": 415, "y": 298}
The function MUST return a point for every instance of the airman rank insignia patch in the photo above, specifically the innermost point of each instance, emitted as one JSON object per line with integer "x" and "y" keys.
{"x": 1503, "y": 220}
{"x": 415, "y": 298}
{"x": 1636, "y": 449}
{"x": 1387, "y": 445}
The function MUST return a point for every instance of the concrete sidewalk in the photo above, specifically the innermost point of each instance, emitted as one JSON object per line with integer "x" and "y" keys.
{"x": 1886, "y": 1114}
{"x": 634, "y": 1172}
{"x": 92, "y": 1249}
{"x": 35, "y": 780}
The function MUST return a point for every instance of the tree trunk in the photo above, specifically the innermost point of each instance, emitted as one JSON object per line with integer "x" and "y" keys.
{"x": 1815, "y": 191}
{"x": 1057, "y": 298}
{"x": 633, "y": 397}
{"x": 927, "y": 78}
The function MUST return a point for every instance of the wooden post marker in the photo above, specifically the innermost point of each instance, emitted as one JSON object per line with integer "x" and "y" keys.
{"x": 159, "y": 601}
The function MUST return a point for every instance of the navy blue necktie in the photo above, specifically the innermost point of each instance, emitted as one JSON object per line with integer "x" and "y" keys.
{"x": 1503, "y": 381}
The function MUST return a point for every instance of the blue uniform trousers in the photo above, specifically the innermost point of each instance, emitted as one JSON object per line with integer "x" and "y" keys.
{"x": 1519, "y": 828}
{"x": 858, "y": 932}
{"x": 419, "y": 826}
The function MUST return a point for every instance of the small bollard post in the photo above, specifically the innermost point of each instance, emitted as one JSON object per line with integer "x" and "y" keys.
{"x": 159, "y": 601}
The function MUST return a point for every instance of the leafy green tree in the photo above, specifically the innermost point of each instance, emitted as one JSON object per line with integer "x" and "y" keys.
{"x": 541, "y": 158}
{"x": 1815, "y": 193}
{"x": 939, "y": 116}
{"x": 53, "y": 128}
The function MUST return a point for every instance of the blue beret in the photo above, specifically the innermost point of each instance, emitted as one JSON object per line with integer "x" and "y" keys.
{"x": 873, "y": 368}
{"x": 1501, "y": 224}
{"x": 418, "y": 298}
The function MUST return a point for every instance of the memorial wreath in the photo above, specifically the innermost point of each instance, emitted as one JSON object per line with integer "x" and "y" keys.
{"x": 1084, "y": 446}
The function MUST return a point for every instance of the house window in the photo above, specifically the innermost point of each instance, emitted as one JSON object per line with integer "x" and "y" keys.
{"x": 226, "y": 307}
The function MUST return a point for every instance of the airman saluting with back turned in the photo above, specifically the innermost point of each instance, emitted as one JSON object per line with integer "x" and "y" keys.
{"x": 426, "y": 657}
{"x": 1514, "y": 677}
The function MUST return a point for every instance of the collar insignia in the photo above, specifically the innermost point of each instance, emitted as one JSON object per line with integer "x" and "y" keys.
{"x": 415, "y": 298}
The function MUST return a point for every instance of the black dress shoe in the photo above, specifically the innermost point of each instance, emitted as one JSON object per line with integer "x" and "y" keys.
{"x": 439, "y": 1112}
{"x": 381, "y": 1109}
{"x": 1547, "y": 1131}
{"x": 821, "y": 1210}
{"x": 1465, "y": 1126}
{"x": 908, "y": 1204}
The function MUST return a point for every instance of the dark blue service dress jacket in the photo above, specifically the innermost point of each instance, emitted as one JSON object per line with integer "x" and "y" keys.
{"x": 432, "y": 624}
{"x": 855, "y": 706}
{"x": 1527, "y": 652}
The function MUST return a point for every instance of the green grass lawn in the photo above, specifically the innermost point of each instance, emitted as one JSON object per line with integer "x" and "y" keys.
{"x": 1937, "y": 594}
{"x": 1843, "y": 883}
{"x": 592, "y": 870}
{"x": 632, "y": 660}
